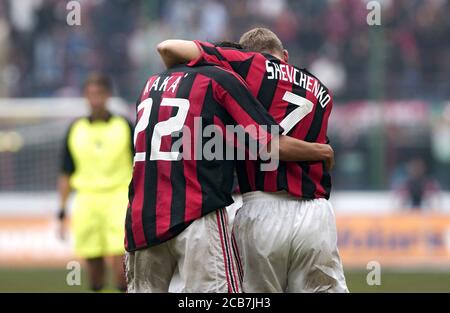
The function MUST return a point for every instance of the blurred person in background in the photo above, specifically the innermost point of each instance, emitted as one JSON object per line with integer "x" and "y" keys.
{"x": 440, "y": 145}
{"x": 419, "y": 189}
{"x": 97, "y": 164}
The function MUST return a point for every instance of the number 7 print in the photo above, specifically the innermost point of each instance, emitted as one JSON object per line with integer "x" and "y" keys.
{"x": 305, "y": 107}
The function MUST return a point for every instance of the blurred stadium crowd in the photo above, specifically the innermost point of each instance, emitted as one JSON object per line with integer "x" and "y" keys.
{"x": 390, "y": 82}
{"x": 40, "y": 55}
{"x": 390, "y": 124}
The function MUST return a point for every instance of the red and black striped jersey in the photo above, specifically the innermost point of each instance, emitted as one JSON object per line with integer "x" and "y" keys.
{"x": 297, "y": 100}
{"x": 173, "y": 184}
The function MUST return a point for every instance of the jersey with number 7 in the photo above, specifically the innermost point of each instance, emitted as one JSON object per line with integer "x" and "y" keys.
{"x": 174, "y": 182}
{"x": 297, "y": 100}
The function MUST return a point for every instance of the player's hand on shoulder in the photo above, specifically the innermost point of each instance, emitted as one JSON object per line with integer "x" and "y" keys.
{"x": 329, "y": 157}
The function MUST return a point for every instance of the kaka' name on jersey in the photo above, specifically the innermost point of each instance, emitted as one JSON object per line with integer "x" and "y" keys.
{"x": 293, "y": 75}
{"x": 170, "y": 83}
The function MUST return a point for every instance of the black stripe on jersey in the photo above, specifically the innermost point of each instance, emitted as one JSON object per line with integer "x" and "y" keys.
{"x": 242, "y": 67}
{"x": 282, "y": 177}
{"x": 151, "y": 176}
{"x": 267, "y": 91}
{"x": 316, "y": 124}
{"x": 308, "y": 186}
{"x": 213, "y": 51}
{"x": 214, "y": 192}
{"x": 131, "y": 245}
{"x": 243, "y": 176}
{"x": 177, "y": 178}
{"x": 265, "y": 96}
{"x": 326, "y": 182}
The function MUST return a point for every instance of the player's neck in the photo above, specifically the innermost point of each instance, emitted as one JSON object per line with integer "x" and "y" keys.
{"x": 101, "y": 114}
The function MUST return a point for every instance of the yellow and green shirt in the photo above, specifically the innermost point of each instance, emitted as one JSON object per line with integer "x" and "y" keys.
{"x": 98, "y": 154}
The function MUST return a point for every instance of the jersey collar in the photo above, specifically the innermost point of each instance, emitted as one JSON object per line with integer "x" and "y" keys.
{"x": 106, "y": 119}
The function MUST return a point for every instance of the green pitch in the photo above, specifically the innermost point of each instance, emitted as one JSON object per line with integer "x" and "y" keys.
{"x": 54, "y": 280}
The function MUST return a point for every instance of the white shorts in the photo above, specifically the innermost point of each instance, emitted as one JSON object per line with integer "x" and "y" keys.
{"x": 233, "y": 208}
{"x": 201, "y": 255}
{"x": 287, "y": 245}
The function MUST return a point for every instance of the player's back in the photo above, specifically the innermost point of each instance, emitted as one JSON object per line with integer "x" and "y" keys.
{"x": 173, "y": 182}
{"x": 297, "y": 100}
{"x": 301, "y": 104}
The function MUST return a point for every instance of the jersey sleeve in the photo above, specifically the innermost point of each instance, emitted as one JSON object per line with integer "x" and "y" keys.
{"x": 67, "y": 163}
{"x": 224, "y": 57}
{"x": 245, "y": 109}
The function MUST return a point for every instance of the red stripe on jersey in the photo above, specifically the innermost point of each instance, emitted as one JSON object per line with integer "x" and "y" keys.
{"x": 193, "y": 187}
{"x": 316, "y": 173}
{"x": 138, "y": 201}
{"x": 270, "y": 181}
{"x": 256, "y": 74}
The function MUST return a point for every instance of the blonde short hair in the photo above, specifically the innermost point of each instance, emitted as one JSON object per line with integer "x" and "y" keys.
{"x": 261, "y": 40}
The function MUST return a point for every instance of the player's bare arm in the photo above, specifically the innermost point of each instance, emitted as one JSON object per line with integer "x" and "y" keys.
{"x": 64, "y": 192}
{"x": 292, "y": 150}
{"x": 174, "y": 51}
